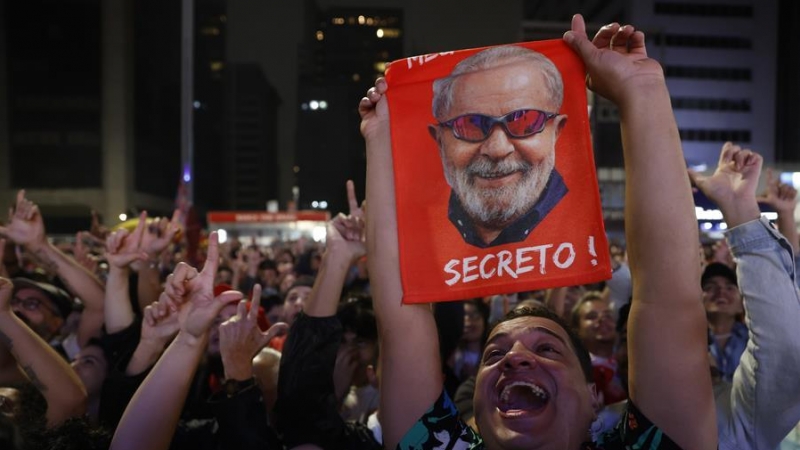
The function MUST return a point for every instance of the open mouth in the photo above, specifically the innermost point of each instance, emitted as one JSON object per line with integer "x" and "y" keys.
{"x": 520, "y": 398}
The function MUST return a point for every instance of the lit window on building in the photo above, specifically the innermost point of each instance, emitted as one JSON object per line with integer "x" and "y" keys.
{"x": 387, "y": 33}
{"x": 361, "y": 20}
{"x": 320, "y": 35}
{"x": 337, "y": 21}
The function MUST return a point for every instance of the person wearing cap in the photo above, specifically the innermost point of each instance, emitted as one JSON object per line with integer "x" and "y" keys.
{"x": 42, "y": 306}
{"x": 761, "y": 404}
{"x": 724, "y": 310}
{"x": 26, "y": 228}
{"x": 40, "y": 365}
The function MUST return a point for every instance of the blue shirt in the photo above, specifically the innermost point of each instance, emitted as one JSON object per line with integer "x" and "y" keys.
{"x": 553, "y": 192}
{"x": 728, "y": 358}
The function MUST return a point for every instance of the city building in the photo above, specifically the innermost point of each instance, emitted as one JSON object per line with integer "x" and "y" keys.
{"x": 345, "y": 50}
{"x": 727, "y": 74}
{"x": 249, "y": 160}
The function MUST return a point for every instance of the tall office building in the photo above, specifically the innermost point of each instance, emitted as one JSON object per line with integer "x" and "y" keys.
{"x": 729, "y": 77}
{"x": 211, "y": 178}
{"x": 68, "y": 124}
{"x": 344, "y": 51}
{"x": 787, "y": 141}
{"x": 720, "y": 60}
{"x": 249, "y": 160}
{"x": 90, "y": 96}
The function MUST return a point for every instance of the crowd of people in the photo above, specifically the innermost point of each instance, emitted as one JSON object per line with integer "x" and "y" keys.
{"x": 116, "y": 340}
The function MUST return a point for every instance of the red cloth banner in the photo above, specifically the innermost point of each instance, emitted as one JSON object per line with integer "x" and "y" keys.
{"x": 495, "y": 181}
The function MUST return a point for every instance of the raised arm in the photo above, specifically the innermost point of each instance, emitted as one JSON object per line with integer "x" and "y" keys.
{"x": 307, "y": 391}
{"x": 44, "y": 368}
{"x": 164, "y": 390}
{"x": 243, "y": 424}
{"x": 155, "y": 239}
{"x": 782, "y": 197}
{"x": 761, "y": 407}
{"x": 411, "y": 376}
{"x": 26, "y": 228}
{"x": 159, "y": 326}
{"x": 240, "y": 338}
{"x": 344, "y": 245}
{"x": 122, "y": 250}
{"x": 669, "y": 378}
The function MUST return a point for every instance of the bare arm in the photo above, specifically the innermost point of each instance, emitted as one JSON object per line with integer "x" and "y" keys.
{"x": 166, "y": 386}
{"x": 345, "y": 244}
{"x": 159, "y": 325}
{"x": 44, "y": 368}
{"x": 408, "y": 338}
{"x": 26, "y": 228}
{"x": 156, "y": 238}
{"x": 669, "y": 378}
{"x": 122, "y": 250}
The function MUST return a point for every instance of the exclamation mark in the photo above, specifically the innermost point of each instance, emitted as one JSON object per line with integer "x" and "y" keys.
{"x": 592, "y": 250}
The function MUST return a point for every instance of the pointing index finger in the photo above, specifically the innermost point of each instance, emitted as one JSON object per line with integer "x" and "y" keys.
{"x": 255, "y": 302}
{"x": 351, "y": 196}
{"x": 212, "y": 256}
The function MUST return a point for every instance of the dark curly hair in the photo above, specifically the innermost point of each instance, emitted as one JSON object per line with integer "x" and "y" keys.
{"x": 539, "y": 311}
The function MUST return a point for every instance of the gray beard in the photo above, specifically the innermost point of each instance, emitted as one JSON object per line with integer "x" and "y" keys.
{"x": 495, "y": 208}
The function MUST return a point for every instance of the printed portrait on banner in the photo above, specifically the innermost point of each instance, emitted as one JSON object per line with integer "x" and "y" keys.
{"x": 495, "y": 180}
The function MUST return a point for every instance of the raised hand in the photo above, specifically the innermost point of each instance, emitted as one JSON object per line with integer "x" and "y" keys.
{"x": 82, "y": 254}
{"x": 25, "y": 225}
{"x": 733, "y": 184}
{"x": 616, "y": 59}
{"x": 159, "y": 323}
{"x": 187, "y": 285}
{"x": 159, "y": 233}
{"x": 240, "y": 338}
{"x": 123, "y": 248}
{"x": 98, "y": 230}
{"x": 780, "y": 196}
{"x": 346, "y": 233}
{"x": 374, "y": 113}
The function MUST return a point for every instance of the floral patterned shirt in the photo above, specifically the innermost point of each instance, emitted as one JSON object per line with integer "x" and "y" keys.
{"x": 441, "y": 429}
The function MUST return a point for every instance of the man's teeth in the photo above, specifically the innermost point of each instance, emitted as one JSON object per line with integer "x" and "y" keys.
{"x": 496, "y": 175}
{"x": 536, "y": 390}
